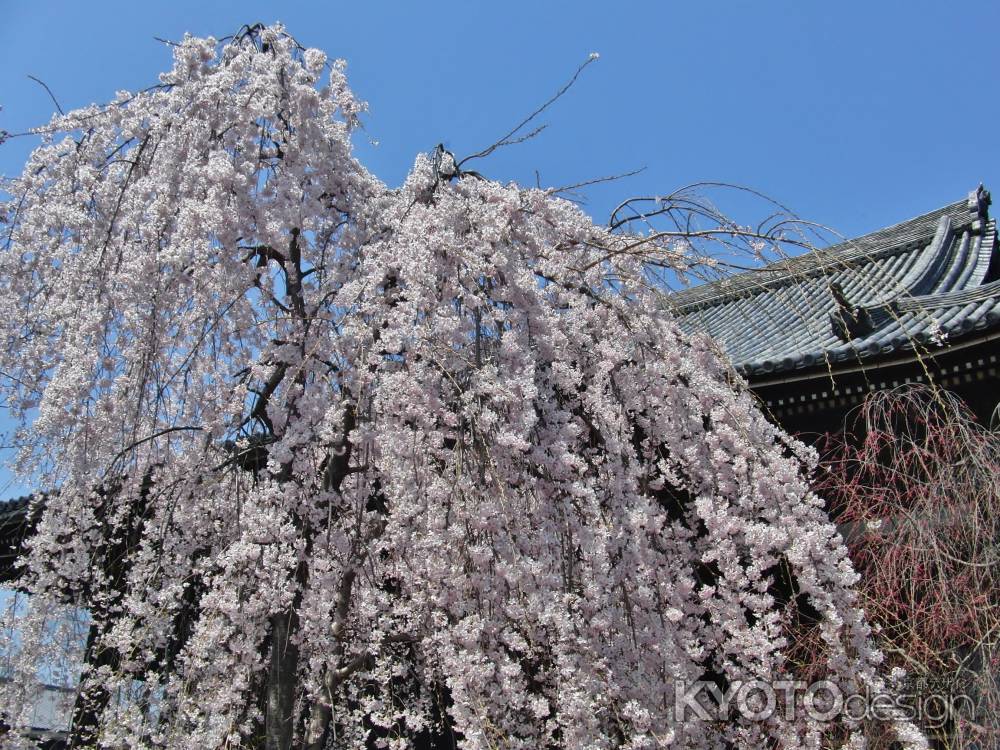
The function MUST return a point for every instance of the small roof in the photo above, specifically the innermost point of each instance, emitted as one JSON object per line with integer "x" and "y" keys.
{"x": 912, "y": 286}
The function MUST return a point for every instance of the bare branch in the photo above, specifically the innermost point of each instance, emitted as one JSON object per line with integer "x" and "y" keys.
{"x": 49, "y": 91}
{"x": 509, "y": 139}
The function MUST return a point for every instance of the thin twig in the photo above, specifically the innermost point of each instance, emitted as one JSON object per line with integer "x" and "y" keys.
{"x": 155, "y": 435}
{"x": 595, "y": 181}
{"x": 507, "y": 139}
{"x": 52, "y": 96}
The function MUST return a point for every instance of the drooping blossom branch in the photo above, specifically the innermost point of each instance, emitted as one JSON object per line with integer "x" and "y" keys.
{"x": 456, "y": 473}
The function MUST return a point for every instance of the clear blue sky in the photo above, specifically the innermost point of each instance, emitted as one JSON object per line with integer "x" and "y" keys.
{"x": 855, "y": 114}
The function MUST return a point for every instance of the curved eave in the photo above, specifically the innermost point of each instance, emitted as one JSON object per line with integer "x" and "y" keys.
{"x": 902, "y": 358}
{"x": 915, "y": 286}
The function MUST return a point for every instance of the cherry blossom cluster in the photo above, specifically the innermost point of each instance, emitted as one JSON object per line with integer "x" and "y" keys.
{"x": 335, "y": 463}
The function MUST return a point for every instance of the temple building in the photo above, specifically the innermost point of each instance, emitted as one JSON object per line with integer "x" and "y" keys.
{"x": 917, "y": 302}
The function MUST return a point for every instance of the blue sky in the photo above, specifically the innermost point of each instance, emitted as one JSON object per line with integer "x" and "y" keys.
{"x": 855, "y": 114}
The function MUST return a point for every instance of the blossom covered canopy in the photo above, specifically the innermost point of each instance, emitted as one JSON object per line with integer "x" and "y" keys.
{"x": 340, "y": 463}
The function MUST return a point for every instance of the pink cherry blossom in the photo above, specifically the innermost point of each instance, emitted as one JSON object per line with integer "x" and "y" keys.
{"x": 335, "y": 460}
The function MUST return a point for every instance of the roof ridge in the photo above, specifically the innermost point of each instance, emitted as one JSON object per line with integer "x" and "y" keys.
{"x": 879, "y": 243}
{"x": 913, "y": 285}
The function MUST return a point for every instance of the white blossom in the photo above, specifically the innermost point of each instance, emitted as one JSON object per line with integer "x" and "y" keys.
{"x": 474, "y": 484}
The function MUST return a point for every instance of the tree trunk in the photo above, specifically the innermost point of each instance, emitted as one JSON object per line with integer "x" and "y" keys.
{"x": 319, "y": 726}
{"x": 93, "y": 698}
{"x": 282, "y": 675}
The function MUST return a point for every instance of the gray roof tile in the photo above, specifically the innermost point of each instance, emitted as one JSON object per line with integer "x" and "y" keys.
{"x": 913, "y": 284}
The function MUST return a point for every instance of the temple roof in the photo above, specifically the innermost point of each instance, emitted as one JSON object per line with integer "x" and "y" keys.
{"x": 911, "y": 287}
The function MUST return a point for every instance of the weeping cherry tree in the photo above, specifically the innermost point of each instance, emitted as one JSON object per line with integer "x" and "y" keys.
{"x": 337, "y": 465}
